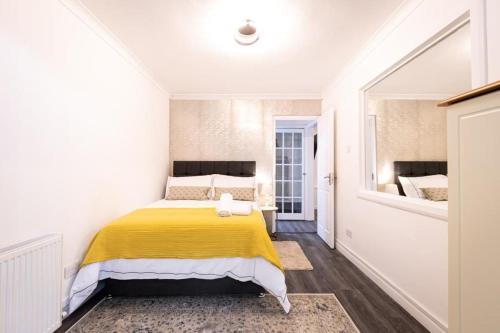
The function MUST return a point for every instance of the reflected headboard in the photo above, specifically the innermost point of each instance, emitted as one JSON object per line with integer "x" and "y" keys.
{"x": 418, "y": 169}
{"x": 201, "y": 168}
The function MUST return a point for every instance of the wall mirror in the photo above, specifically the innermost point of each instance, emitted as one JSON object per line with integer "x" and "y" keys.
{"x": 405, "y": 131}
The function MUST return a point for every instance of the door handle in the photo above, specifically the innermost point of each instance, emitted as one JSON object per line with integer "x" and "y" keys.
{"x": 330, "y": 178}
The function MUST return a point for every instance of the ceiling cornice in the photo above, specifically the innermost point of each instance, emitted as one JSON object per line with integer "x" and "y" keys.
{"x": 296, "y": 96}
{"x": 410, "y": 96}
{"x": 81, "y": 12}
{"x": 398, "y": 16}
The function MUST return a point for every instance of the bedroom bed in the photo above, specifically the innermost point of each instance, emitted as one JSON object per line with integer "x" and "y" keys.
{"x": 409, "y": 171}
{"x": 182, "y": 247}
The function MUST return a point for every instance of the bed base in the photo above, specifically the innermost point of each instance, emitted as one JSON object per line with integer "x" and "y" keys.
{"x": 185, "y": 287}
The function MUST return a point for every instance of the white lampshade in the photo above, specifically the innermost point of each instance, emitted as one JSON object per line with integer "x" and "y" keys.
{"x": 267, "y": 192}
{"x": 267, "y": 189}
{"x": 391, "y": 188}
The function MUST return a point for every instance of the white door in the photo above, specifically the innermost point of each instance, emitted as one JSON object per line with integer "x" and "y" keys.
{"x": 326, "y": 178}
{"x": 290, "y": 174}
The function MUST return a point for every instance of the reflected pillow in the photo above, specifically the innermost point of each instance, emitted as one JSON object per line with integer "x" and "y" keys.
{"x": 412, "y": 186}
{"x": 436, "y": 193}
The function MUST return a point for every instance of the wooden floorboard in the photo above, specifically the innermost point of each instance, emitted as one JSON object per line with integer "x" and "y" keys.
{"x": 371, "y": 309}
{"x": 295, "y": 226}
{"x": 369, "y": 306}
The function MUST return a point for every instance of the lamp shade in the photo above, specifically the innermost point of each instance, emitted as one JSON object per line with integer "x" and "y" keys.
{"x": 391, "y": 188}
{"x": 267, "y": 189}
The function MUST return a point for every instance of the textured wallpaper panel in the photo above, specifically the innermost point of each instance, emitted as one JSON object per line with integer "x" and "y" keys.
{"x": 231, "y": 129}
{"x": 408, "y": 130}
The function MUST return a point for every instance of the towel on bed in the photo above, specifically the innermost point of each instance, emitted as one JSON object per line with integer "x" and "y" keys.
{"x": 223, "y": 206}
{"x": 241, "y": 208}
{"x": 226, "y": 206}
{"x": 225, "y": 209}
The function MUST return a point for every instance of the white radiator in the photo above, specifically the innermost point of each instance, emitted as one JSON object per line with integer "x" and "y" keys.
{"x": 30, "y": 286}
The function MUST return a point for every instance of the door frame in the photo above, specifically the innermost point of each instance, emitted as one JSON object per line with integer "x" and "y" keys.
{"x": 371, "y": 163}
{"x": 302, "y": 215}
{"x": 275, "y": 119}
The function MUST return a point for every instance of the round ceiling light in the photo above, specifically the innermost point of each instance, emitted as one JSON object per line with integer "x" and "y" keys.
{"x": 247, "y": 33}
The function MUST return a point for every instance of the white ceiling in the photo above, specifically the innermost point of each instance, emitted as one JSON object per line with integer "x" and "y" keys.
{"x": 188, "y": 45}
{"x": 443, "y": 70}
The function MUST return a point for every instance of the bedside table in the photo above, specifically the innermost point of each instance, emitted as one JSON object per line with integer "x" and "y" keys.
{"x": 269, "y": 213}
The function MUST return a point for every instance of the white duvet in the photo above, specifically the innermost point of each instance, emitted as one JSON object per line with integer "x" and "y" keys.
{"x": 257, "y": 270}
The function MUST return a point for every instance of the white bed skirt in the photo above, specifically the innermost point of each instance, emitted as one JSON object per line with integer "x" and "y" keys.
{"x": 257, "y": 270}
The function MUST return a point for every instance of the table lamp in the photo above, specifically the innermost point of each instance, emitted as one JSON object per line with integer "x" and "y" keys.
{"x": 267, "y": 192}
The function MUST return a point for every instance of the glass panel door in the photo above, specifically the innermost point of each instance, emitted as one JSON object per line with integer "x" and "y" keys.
{"x": 290, "y": 174}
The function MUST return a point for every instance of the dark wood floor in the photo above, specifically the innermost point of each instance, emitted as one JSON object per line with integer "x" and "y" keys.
{"x": 295, "y": 226}
{"x": 370, "y": 308}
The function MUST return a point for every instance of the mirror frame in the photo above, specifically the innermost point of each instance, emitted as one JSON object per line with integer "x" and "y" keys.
{"x": 414, "y": 205}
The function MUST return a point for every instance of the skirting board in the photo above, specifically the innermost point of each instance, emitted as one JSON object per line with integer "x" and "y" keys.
{"x": 430, "y": 322}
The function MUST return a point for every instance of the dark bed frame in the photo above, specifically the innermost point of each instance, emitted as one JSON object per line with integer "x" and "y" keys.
{"x": 201, "y": 168}
{"x": 418, "y": 169}
{"x": 157, "y": 287}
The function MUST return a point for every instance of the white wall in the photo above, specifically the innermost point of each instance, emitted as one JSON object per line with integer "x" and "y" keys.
{"x": 83, "y": 130}
{"x": 404, "y": 252}
{"x": 493, "y": 39}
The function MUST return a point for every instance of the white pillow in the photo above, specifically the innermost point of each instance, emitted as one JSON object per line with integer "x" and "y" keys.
{"x": 233, "y": 181}
{"x": 412, "y": 185}
{"x": 200, "y": 181}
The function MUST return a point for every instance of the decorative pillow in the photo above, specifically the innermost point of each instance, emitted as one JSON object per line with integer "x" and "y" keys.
{"x": 412, "y": 186}
{"x": 233, "y": 181}
{"x": 188, "y": 193}
{"x": 238, "y": 193}
{"x": 191, "y": 181}
{"x": 436, "y": 193}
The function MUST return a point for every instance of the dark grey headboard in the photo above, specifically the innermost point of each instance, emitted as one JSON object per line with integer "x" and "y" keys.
{"x": 201, "y": 168}
{"x": 418, "y": 169}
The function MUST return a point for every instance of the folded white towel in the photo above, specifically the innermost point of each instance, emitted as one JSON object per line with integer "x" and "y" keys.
{"x": 226, "y": 197}
{"x": 226, "y": 206}
{"x": 241, "y": 208}
{"x": 223, "y": 210}
{"x": 223, "y": 206}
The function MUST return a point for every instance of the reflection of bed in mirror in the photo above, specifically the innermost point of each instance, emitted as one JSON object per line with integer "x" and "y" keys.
{"x": 436, "y": 173}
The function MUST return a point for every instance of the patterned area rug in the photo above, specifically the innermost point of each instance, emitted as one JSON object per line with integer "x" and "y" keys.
{"x": 291, "y": 256}
{"x": 310, "y": 313}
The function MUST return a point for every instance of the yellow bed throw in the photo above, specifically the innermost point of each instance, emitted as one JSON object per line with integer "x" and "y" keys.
{"x": 183, "y": 233}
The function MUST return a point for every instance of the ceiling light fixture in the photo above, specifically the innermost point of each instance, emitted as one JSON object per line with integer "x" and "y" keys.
{"x": 247, "y": 33}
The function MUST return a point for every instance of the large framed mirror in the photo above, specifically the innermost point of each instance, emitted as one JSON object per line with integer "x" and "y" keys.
{"x": 405, "y": 139}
